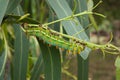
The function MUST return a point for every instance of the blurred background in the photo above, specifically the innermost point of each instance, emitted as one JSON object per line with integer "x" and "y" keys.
{"x": 101, "y": 68}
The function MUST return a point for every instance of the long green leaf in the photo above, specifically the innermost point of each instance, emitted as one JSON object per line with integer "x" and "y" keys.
{"x": 62, "y": 9}
{"x": 21, "y": 51}
{"x": 12, "y": 5}
{"x": 2, "y": 63}
{"x": 20, "y": 55}
{"x": 2, "y": 76}
{"x": 56, "y": 63}
{"x": 82, "y": 68}
{"x": 52, "y": 62}
{"x": 38, "y": 68}
{"x": 3, "y": 7}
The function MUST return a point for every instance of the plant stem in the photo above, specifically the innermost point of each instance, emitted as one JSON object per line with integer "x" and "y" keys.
{"x": 68, "y": 17}
{"x": 73, "y": 16}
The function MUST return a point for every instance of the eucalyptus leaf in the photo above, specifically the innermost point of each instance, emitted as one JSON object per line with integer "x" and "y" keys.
{"x": 2, "y": 63}
{"x": 2, "y": 76}
{"x": 52, "y": 62}
{"x": 21, "y": 54}
{"x": 3, "y": 8}
{"x": 21, "y": 46}
{"x": 82, "y": 68}
{"x": 12, "y": 5}
{"x": 37, "y": 69}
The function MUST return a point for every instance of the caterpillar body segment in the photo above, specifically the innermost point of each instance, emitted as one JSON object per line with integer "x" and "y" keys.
{"x": 51, "y": 38}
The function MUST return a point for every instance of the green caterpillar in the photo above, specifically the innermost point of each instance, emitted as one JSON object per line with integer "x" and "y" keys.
{"x": 75, "y": 45}
{"x": 52, "y": 38}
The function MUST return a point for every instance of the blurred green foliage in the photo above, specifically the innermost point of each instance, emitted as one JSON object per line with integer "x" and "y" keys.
{"x": 110, "y": 8}
{"x": 38, "y": 9}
